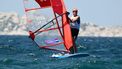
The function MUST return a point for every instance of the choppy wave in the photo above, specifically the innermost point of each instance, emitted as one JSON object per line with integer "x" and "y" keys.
{"x": 19, "y": 52}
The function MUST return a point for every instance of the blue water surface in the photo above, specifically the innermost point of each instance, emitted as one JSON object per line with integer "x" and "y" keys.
{"x": 20, "y": 52}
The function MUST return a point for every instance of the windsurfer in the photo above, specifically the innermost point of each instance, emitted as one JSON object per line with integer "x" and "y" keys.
{"x": 75, "y": 26}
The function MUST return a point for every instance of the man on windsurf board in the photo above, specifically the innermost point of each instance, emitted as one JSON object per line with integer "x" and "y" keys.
{"x": 75, "y": 26}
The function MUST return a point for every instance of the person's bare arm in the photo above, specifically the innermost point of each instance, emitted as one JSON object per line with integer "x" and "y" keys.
{"x": 70, "y": 19}
{"x": 75, "y": 19}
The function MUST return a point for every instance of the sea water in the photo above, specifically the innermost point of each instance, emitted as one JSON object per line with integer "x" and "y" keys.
{"x": 20, "y": 52}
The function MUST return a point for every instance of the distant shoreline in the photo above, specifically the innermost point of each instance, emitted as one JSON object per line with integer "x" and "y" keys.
{"x": 12, "y": 24}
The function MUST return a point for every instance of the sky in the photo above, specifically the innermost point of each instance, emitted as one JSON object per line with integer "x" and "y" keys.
{"x": 100, "y": 12}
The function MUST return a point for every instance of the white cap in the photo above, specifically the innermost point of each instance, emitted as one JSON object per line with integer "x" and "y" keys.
{"x": 75, "y": 10}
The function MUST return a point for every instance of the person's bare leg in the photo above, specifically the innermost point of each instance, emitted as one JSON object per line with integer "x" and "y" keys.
{"x": 75, "y": 38}
{"x": 75, "y": 49}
